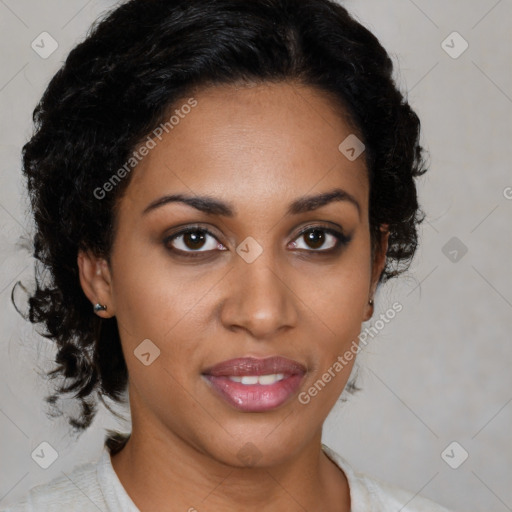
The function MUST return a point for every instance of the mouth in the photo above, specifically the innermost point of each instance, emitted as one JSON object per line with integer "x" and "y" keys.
{"x": 255, "y": 385}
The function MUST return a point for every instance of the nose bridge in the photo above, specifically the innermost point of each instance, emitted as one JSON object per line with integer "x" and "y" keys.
{"x": 261, "y": 302}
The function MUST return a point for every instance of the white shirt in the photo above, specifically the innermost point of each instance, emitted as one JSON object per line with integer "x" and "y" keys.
{"x": 95, "y": 487}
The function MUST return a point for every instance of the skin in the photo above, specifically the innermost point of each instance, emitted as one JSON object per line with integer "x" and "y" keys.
{"x": 258, "y": 148}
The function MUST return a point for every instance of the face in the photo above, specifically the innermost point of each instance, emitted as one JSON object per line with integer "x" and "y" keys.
{"x": 262, "y": 272}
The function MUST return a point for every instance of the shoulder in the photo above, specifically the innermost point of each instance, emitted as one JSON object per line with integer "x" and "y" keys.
{"x": 77, "y": 490}
{"x": 395, "y": 498}
{"x": 370, "y": 494}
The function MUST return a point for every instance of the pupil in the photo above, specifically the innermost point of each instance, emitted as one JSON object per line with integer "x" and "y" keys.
{"x": 196, "y": 238}
{"x": 315, "y": 237}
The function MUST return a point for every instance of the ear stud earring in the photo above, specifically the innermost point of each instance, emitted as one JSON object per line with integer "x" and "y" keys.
{"x": 99, "y": 307}
{"x": 370, "y": 302}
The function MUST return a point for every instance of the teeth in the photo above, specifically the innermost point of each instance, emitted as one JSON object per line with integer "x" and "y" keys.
{"x": 264, "y": 380}
{"x": 249, "y": 379}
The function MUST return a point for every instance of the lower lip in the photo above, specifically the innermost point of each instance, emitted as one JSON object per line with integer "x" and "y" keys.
{"x": 255, "y": 397}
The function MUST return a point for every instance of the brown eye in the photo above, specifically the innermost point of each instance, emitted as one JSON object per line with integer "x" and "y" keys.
{"x": 314, "y": 238}
{"x": 193, "y": 240}
{"x": 321, "y": 239}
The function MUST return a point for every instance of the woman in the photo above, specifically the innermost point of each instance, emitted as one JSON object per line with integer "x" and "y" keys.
{"x": 219, "y": 188}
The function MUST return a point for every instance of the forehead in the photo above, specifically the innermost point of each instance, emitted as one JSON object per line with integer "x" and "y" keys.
{"x": 256, "y": 145}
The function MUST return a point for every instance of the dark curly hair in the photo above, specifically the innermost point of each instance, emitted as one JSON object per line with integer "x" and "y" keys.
{"x": 121, "y": 82}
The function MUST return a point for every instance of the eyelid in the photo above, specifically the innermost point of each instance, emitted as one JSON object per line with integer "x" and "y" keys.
{"x": 342, "y": 238}
{"x": 324, "y": 227}
{"x": 190, "y": 228}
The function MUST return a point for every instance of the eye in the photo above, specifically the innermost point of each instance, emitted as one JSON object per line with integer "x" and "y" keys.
{"x": 316, "y": 237}
{"x": 193, "y": 240}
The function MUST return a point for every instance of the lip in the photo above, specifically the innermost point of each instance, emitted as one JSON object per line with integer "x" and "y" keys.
{"x": 254, "y": 366}
{"x": 255, "y": 397}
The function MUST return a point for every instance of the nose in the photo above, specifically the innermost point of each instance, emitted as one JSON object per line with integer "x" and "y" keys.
{"x": 260, "y": 299}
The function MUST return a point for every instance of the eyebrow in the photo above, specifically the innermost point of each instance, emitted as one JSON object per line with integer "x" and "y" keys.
{"x": 212, "y": 206}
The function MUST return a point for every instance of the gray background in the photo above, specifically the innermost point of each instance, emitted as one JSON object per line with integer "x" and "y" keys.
{"x": 441, "y": 370}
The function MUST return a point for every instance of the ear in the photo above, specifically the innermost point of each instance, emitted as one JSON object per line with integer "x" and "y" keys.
{"x": 96, "y": 281}
{"x": 378, "y": 264}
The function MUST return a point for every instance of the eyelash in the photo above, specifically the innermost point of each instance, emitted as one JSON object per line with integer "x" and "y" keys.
{"x": 341, "y": 240}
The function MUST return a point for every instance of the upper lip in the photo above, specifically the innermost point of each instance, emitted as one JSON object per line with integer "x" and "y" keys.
{"x": 253, "y": 366}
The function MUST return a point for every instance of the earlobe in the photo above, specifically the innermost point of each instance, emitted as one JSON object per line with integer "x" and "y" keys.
{"x": 96, "y": 282}
{"x": 369, "y": 310}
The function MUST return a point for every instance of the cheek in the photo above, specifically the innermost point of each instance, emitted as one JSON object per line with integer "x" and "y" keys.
{"x": 334, "y": 327}
{"x": 337, "y": 295}
{"x": 336, "y": 308}
{"x": 159, "y": 300}
{"x": 151, "y": 293}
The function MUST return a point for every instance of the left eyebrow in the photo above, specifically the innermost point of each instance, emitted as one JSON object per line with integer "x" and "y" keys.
{"x": 310, "y": 203}
{"x": 212, "y": 206}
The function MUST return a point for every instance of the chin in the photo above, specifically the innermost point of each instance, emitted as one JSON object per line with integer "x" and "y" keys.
{"x": 257, "y": 447}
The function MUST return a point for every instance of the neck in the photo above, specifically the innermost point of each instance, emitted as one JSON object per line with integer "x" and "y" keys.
{"x": 161, "y": 471}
